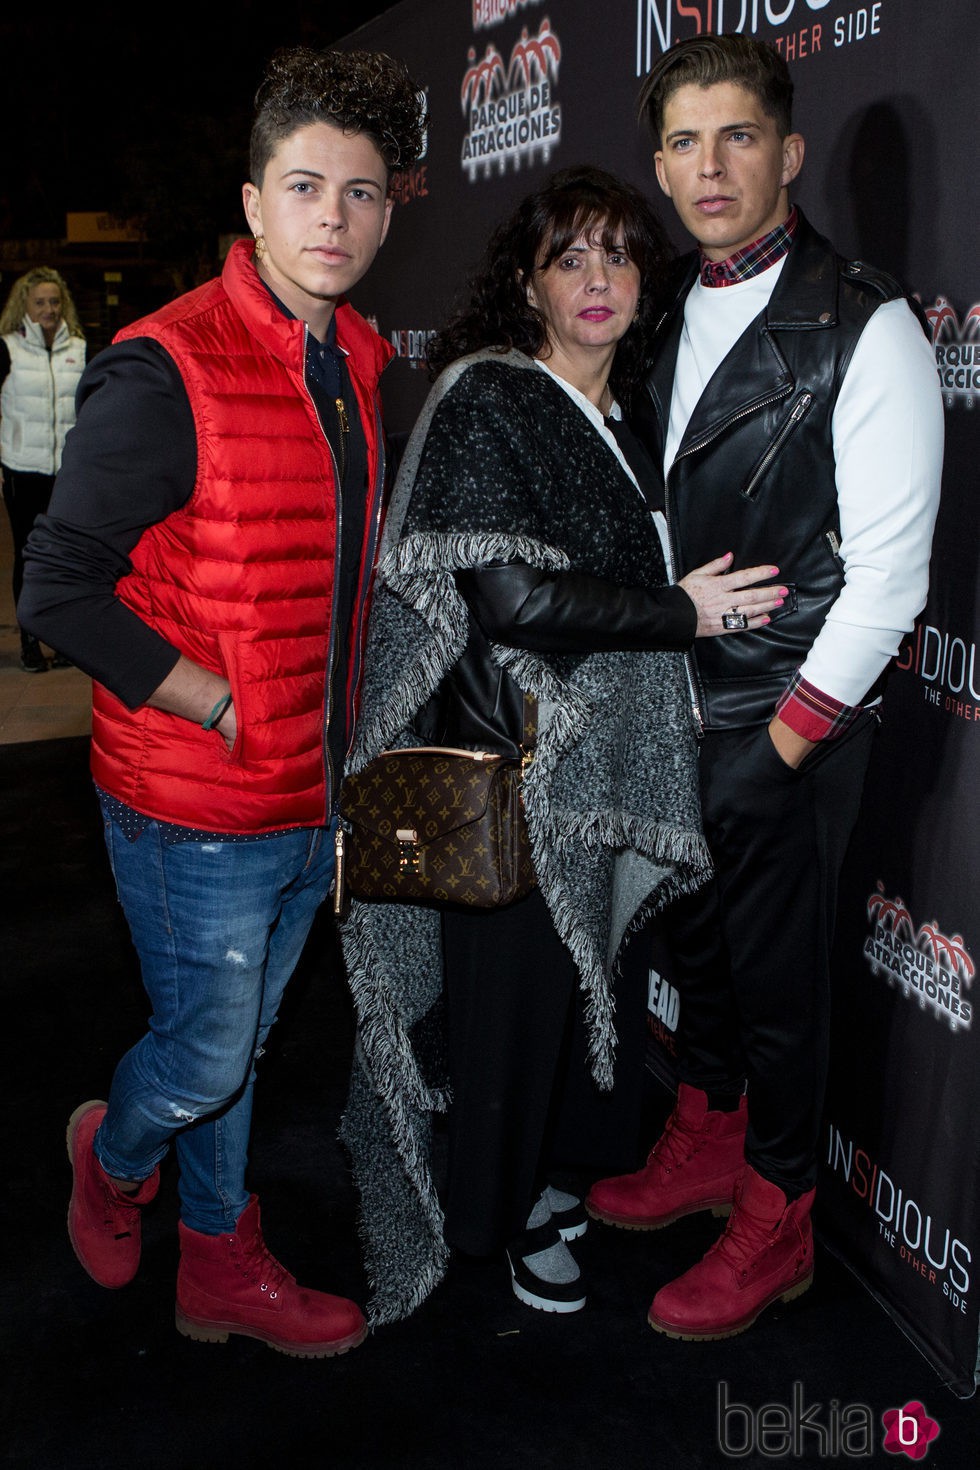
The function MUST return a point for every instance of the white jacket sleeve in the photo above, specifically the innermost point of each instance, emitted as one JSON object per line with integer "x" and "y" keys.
{"x": 888, "y": 430}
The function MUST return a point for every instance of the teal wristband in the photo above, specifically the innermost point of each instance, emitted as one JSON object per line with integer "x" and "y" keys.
{"x": 218, "y": 713}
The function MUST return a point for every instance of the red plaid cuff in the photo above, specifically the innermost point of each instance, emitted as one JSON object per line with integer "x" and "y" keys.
{"x": 813, "y": 714}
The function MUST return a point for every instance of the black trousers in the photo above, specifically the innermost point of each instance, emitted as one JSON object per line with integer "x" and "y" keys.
{"x": 751, "y": 953}
{"x": 26, "y": 497}
{"x": 525, "y": 1108}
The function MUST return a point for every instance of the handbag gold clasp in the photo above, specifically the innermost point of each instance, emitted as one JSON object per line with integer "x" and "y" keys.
{"x": 409, "y": 856}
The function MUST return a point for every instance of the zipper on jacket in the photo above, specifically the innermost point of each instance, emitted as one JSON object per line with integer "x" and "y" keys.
{"x": 692, "y": 685}
{"x": 344, "y": 435}
{"x": 353, "y": 673}
{"x": 800, "y": 409}
{"x": 338, "y": 530}
{"x": 339, "y": 870}
{"x": 692, "y": 689}
{"x": 688, "y": 657}
{"x": 331, "y": 642}
{"x": 743, "y": 413}
{"x": 54, "y": 411}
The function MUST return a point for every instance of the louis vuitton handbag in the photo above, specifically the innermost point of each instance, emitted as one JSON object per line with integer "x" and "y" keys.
{"x": 437, "y": 825}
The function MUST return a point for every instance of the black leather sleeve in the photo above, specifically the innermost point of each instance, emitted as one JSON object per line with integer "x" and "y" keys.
{"x": 573, "y": 612}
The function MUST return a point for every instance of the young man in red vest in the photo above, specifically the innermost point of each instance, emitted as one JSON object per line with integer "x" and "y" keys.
{"x": 206, "y": 559}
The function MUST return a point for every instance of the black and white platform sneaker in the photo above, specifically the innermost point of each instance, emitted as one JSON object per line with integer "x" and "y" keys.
{"x": 544, "y": 1274}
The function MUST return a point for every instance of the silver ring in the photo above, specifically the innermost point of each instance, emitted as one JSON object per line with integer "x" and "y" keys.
{"x": 734, "y": 621}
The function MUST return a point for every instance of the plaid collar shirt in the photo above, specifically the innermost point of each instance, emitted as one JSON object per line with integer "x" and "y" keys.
{"x": 758, "y": 256}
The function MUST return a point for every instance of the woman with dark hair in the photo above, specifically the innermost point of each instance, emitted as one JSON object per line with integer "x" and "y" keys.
{"x": 525, "y": 556}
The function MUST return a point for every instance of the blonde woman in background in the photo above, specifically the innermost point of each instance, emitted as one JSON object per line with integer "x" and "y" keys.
{"x": 42, "y": 354}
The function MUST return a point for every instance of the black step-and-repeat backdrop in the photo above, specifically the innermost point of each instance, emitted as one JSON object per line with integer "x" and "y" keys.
{"x": 885, "y": 99}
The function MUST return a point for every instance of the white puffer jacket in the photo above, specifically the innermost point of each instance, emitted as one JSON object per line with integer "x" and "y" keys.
{"x": 37, "y": 401}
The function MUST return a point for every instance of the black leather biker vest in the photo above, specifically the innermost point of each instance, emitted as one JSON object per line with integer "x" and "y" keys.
{"x": 755, "y": 473}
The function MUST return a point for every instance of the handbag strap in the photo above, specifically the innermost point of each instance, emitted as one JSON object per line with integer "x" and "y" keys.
{"x": 530, "y": 726}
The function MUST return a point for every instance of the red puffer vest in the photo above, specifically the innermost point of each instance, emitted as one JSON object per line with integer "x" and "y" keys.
{"x": 240, "y": 580}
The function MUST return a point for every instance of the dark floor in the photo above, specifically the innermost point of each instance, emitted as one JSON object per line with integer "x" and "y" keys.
{"x": 95, "y": 1379}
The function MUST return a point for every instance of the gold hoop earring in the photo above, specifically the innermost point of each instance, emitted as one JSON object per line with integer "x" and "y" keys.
{"x": 260, "y": 248}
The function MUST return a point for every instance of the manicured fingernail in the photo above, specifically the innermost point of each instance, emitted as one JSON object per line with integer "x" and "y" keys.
{"x": 773, "y": 571}
{"x": 784, "y": 591}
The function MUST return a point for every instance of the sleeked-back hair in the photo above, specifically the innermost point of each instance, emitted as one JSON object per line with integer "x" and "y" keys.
{"x": 704, "y": 61}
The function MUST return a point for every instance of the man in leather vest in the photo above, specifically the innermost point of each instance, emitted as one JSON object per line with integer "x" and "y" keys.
{"x": 206, "y": 559}
{"x": 794, "y": 405}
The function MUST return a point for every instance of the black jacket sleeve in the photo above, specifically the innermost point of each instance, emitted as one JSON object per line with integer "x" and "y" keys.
{"x": 573, "y": 612}
{"x": 479, "y": 704}
{"x": 129, "y": 461}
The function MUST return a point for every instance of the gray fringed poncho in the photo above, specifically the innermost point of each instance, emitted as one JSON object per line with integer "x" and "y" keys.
{"x": 504, "y": 466}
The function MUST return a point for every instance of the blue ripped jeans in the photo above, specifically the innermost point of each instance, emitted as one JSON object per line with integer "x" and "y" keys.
{"x": 219, "y": 928}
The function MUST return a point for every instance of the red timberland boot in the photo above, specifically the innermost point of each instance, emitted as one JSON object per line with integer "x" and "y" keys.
{"x": 765, "y": 1255}
{"x": 233, "y": 1284}
{"x": 693, "y": 1166}
{"x": 103, "y": 1221}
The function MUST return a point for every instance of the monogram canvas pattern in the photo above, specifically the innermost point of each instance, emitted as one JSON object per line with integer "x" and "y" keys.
{"x": 435, "y": 826}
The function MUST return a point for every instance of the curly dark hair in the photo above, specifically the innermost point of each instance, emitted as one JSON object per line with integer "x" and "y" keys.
{"x": 706, "y": 60}
{"x": 572, "y": 202}
{"x": 359, "y": 91}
